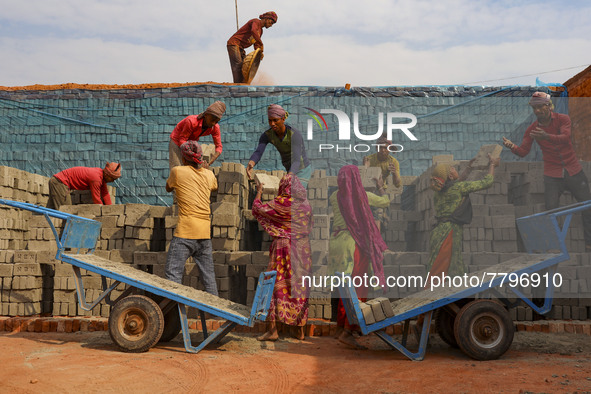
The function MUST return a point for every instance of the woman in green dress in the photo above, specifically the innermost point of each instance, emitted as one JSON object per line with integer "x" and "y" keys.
{"x": 445, "y": 244}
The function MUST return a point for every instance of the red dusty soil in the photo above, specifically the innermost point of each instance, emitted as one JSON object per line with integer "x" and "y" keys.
{"x": 88, "y": 362}
{"x": 109, "y": 87}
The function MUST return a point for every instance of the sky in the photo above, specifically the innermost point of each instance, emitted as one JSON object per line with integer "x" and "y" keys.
{"x": 314, "y": 43}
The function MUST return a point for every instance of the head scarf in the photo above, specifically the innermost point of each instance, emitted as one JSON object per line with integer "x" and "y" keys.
{"x": 539, "y": 98}
{"x": 216, "y": 109}
{"x": 275, "y": 111}
{"x": 289, "y": 214}
{"x": 113, "y": 170}
{"x": 269, "y": 15}
{"x": 439, "y": 176}
{"x": 191, "y": 151}
{"x": 354, "y": 206}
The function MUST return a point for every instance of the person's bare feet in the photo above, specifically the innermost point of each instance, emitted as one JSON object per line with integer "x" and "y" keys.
{"x": 268, "y": 336}
{"x": 348, "y": 339}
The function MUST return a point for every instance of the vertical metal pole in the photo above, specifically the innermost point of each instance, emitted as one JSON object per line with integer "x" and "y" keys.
{"x": 236, "y": 3}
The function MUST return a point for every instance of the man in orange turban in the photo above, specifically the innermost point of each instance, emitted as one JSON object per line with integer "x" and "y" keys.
{"x": 94, "y": 179}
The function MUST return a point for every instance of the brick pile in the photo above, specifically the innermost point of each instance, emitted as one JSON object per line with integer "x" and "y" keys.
{"x": 139, "y": 234}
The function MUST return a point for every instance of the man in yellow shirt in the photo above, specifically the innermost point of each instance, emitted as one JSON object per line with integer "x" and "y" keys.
{"x": 389, "y": 165}
{"x": 384, "y": 160}
{"x": 193, "y": 185}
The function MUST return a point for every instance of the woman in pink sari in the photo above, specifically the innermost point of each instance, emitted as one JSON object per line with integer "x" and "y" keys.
{"x": 288, "y": 219}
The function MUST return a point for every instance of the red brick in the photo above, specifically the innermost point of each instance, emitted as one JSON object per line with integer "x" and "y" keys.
{"x": 390, "y": 330}
{"x": 586, "y": 329}
{"x": 84, "y": 325}
{"x": 38, "y": 325}
{"x": 520, "y": 327}
{"x": 2, "y": 324}
{"x": 31, "y": 325}
{"x": 325, "y": 330}
{"x": 53, "y": 325}
{"x": 317, "y": 330}
{"x": 569, "y": 327}
{"x": 545, "y": 328}
{"x": 45, "y": 326}
{"x": 529, "y": 328}
{"x": 333, "y": 330}
{"x": 76, "y": 325}
{"x": 309, "y": 330}
{"x": 578, "y": 328}
{"x": 68, "y": 325}
{"x": 61, "y": 325}
{"x": 537, "y": 327}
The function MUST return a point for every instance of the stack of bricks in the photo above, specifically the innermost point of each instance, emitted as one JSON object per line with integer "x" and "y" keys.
{"x": 318, "y": 188}
{"x": 152, "y": 262}
{"x": 13, "y": 228}
{"x": 24, "y": 288}
{"x": 133, "y": 234}
{"x": 396, "y": 231}
{"x": 22, "y": 186}
{"x": 268, "y": 195}
{"x": 84, "y": 196}
{"x": 144, "y": 228}
{"x": 233, "y": 184}
{"x": 231, "y": 199}
{"x": 226, "y": 226}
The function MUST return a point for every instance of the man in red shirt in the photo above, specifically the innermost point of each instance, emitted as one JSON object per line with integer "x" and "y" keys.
{"x": 246, "y": 36}
{"x": 82, "y": 178}
{"x": 562, "y": 169}
{"x": 194, "y": 127}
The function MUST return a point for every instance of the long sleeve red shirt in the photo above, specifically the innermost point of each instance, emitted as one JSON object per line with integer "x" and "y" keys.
{"x": 248, "y": 34}
{"x": 190, "y": 128}
{"x": 557, "y": 151}
{"x": 86, "y": 178}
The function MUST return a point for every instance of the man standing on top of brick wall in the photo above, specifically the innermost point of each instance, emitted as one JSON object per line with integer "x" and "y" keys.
{"x": 193, "y": 185}
{"x": 194, "y": 127}
{"x": 246, "y": 36}
{"x": 562, "y": 169}
{"x": 94, "y": 179}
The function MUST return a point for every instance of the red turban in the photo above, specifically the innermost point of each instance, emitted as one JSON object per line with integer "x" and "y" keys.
{"x": 113, "y": 170}
{"x": 269, "y": 15}
{"x": 191, "y": 151}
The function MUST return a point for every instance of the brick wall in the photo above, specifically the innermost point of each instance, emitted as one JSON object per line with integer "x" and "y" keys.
{"x": 44, "y": 132}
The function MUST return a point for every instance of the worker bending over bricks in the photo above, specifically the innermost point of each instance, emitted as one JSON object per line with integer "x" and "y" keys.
{"x": 94, "y": 179}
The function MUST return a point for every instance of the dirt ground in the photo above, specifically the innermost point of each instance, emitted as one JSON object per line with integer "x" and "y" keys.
{"x": 88, "y": 362}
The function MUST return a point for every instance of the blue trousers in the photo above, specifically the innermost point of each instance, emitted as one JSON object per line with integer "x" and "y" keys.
{"x": 200, "y": 249}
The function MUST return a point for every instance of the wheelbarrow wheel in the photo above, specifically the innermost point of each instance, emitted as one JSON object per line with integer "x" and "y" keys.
{"x": 172, "y": 324}
{"x": 136, "y": 323}
{"x": 444, "y": 324}
{"x": 483, "y": 329}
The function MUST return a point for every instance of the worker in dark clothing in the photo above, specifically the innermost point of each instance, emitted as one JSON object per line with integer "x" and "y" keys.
{"x": 246, "y": 36}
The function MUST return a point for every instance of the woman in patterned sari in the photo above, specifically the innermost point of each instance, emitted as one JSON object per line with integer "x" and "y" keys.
{"x": 288, "y": 219}
{"x": 445, "y": 243}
